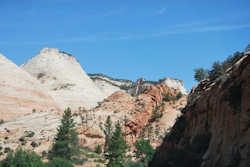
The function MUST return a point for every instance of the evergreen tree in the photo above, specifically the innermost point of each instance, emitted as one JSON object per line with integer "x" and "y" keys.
{"x": 108, "y": 131}
{"x": 117, "y": 148}
{"x": 144, "y": 151}
{"x": 200, "y": 74}
{"x": 22, "y": 159}
{"x": 66, "y": 143}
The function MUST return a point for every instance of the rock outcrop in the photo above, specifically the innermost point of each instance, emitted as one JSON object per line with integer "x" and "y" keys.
{"x": 214, "y": 130}
{"x": 110, "y": 85}
{"x": 139, "y": 86}
{"x": 68, "y": 83}
{"x": 20, "y": 93}
{"x": 140, "y": 113}
{"x": 175, "y": 84}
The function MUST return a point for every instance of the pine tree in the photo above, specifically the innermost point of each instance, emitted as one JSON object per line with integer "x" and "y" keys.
{"x": 66, "y": 143}
{"x": 200, "y": 74}
{"x": 144, "y": 151}
{"x": 22, "y": 158}
{"x": 117, "y": 148}
{"x": 108, "y": 131}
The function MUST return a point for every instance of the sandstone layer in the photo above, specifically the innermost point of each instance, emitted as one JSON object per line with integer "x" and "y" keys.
{"x": 68, "y": 83}
{"x": 20, "y": 93}
{"x": 215, "y": 128}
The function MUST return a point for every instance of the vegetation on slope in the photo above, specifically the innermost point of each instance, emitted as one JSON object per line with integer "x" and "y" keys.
{"x": 218, "y": 71}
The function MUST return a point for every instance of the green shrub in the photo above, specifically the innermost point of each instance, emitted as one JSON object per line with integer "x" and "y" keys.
{"x": 1, "y": 121}
{"x": 116, "y": 111}
{"x": 219, "y": 68}
{"x": 156, "y": 115}
{"x": 99, "y": 160}
{"x": 126, "y": 87}
{"x": 133, "y": 164}
{"x": 168, "y": 97}
{"x": 34, "y": 144}
{"x": 58, "y": 162}
{"x": 22, "y": 159}
{"x": 98, "y": 149}
{"x": 7, "y": 150}
{"x": 29, "y": 133}
{"x": 179, "y": 95}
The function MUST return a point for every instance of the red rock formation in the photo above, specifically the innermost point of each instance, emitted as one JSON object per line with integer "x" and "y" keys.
{"x": 139, "y": 109}
{"x": 215, "y": 128}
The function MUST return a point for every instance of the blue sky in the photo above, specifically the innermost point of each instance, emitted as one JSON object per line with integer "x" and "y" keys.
{"x": 128, "y": 38}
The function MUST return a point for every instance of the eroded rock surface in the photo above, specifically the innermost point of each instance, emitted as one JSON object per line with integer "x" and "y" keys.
{"x": 68, "y": 83}
{"x": 20, "y": 93}
{"x": 215, "y": 127}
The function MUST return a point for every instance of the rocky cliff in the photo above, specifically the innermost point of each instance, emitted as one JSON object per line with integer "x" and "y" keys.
{"x": 20, "y": 93}
{"x": 214, "y": 130}
{"x": 175, "y": 84}
{"x": 150, "y": 110}
{"x": 68, "y": 83}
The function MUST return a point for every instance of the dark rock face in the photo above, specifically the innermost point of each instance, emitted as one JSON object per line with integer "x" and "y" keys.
{"x": 214, "y": 130}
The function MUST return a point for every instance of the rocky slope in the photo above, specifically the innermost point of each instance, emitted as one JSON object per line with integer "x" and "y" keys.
{"x": 68, "y": 83}
{"x": 141, "y": 84}
{"x": 134, "y": 113}
{"x": 214, "y": 130}
{"x": 20, "y": 93}
{"x": 32, "y": 93}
